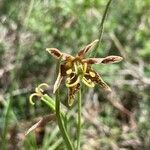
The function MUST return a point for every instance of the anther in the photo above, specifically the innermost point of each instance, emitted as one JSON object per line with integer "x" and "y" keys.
{"x": 88, "y": 82}
{"x": 74, "y": 83}
{"x": 84, "y": 67}
{"x": 92, "y": 74}
{"x": 69, "y": 71}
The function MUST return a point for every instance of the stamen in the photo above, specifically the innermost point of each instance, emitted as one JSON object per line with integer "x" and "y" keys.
{"x": 74, "y": 83}
{"x": 92, "y": 74}
{"x": 84, "y": 67}
{"x": 68, "y": 80}
{"x": 69, "y": 71}
{"x": 88, "y": 82}
{"x": 75, "y": 67}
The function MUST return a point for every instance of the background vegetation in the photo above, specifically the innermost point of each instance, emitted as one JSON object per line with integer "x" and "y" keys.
{"x": 110, "y": 121}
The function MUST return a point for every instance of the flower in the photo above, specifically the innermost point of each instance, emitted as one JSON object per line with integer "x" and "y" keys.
{"x": 78, "y": 69}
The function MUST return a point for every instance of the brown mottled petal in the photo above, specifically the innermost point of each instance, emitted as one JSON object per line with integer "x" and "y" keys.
{"x": 64, "y": 68}
{"x": 54, "y": 52}
{"x": 57, "y": 82}
{"x": 111, "y": 59}
{"x": 57, "y": 54}
{"x": 95, "y": 77}
{"x": 72, "y": 92}
{"x": 106, "y": 60}
{"x": 91, "y": 61}
{"x": 82, "y": 52}
{"x": 88, "y": 82}
{"x": 101, "y": 83}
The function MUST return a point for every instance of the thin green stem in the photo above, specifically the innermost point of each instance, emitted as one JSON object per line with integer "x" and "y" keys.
{"x": 61, "y": 124}
{"x": 30, "y": 8}
{"x": 79, "y": 120}
{"x": 102, "y": 25}
{"x": 51, "y": 103}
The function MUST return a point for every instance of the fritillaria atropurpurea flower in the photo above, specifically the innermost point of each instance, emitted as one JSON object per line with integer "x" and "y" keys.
{"x": 77, "y": 69}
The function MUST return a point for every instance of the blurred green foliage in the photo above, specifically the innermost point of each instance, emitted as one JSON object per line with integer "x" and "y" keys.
{"x": 28, "y": 27}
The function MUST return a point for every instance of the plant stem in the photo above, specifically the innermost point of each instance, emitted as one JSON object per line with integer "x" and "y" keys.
{"x": 102, "y": 25}
{"x": 61, "y": 124}
{"x": 79, "y": 120}
{"x": 30, "y": 8}
{"x": 51, "y": 103}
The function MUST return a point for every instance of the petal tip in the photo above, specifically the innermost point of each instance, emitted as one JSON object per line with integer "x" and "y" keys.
{"x": 54, "y": 91}
{"x": 96, "y": 40}
{"x": 70, "y": 102}
{"x": 109, "y": 89}
{"x": 48, "y": 49}
{"x": 120, "y": 58}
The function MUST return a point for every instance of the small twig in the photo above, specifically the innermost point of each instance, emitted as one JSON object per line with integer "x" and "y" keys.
{"x": 137, "y": 72}
{"x": 121, "y": 108}
{"x": 118, "y": 45}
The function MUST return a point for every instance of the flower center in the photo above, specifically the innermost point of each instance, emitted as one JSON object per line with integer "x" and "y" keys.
{"x": 80, "y": 69}
{"x": 76, "y": 73}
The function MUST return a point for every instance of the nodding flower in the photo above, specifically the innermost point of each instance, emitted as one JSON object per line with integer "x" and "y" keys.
{"x": 77, "y": 69}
